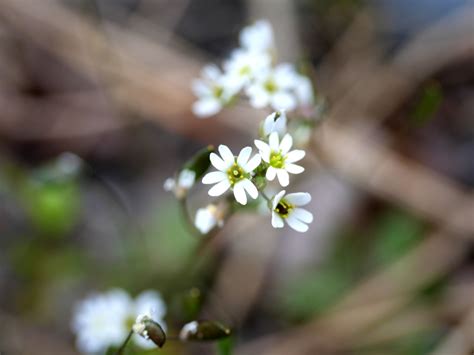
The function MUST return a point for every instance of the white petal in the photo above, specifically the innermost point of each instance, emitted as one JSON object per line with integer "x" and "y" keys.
{"x": 264, "y": 149}
{"x": 274, "y": 141}
{"x": 204, "y": 220}
{"x": 277, "y": 221}
{"x": 250, "y": 188}
{"x": 294, "y": 169}
{"x": 286, "y": 76}
{"x": 206, "y": 107}
{"x": 294, "y": 156}
{"x": 200, "y": 88}
{"x": 239, "y": 193}
{"x": 275, "y": 125}
{"x": 186, "y": 178}
{"x": 284, "y": 100}
{"x": 283, "y": 177}
{"x": 296, "y": 224}
{"x": 277, "y": 198}
{"x": 214, "y": 177}
{"x": 286, "y": 144}
{"x": 227, "y": 155}
{"x": 211, "y": 72}
{"x": 258, "y": 96}
{"x": 244, "y": 156}
{"x": 218, "y": 163}
{"x": 271, "y": 173}
{"x": 298, "y": 198}
{"x": 252, "y": 164}
{"x": 219, "y": 188}
{"x": 303, "y": 215}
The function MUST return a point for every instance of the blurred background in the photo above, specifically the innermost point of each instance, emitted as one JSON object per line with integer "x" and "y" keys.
{"x": 95, "y": 114}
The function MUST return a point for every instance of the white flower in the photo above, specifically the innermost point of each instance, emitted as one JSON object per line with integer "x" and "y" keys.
{"x": 182, "y": 184}
{"x": 104, "y": 320}
{"x": 279, "y": 158}
{"x": 213, "y": 91}
{"x": 257, "y": 37}
{"x": 243, "y": 66}
{"x": 275, "y": 122}
{"x": 209, "y": 217}
{"x": 100, "y": 321}
{"x": 274, "y": 88}
{"x": 286, "y": 208}
{"x": 234, "y": 173}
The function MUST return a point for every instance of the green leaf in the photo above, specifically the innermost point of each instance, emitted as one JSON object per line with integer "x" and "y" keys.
{"x": 225, "y": 346}
{"x": 428, "y": 104}
{"x": 200, "y": 162}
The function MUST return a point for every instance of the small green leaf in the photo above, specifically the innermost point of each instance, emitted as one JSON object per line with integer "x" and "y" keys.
{"x": 200, "y": 162}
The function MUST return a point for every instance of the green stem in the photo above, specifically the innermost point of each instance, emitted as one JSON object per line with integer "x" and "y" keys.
{"x": 120, "y": 351}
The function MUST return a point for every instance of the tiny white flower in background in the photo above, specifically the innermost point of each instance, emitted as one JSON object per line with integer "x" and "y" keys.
{"x": 182, "y": 184}
{"x": 243, "y": 66}
{"x": 233, "y": 173}
{"x": 287, "y": 208}
{"x": 274, "y": 88}
{"x": 304, "y": 90}
{"x": 104, "y": 320}
{"x": 213, "y": 91}
{"x": 207, "y": 218}
{"x": 275, "y": 122}
{"x": 188, "y": 329}
{"x": 100, "y": 321}
{"x": 257, "y": 37}
{"x": 279, "y": 158}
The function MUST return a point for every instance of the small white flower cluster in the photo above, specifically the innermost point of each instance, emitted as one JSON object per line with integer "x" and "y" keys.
{"x": 242, "y": 174}
{"x": 104, "y": 320}
{"x": 251, "y": 70}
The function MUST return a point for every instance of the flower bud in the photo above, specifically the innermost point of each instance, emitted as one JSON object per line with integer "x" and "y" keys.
{"x": 149, "y": 329}
{"x": 203, "y": 331}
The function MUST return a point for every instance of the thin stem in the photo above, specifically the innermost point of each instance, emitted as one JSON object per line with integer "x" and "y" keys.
{"x": 124, "y": 344}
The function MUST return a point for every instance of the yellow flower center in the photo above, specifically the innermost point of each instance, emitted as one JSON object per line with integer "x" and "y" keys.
{"x": 217, "y": 91}
{"x": 270, "y": 86}
{"x": 235, "y": 173}
{"x": 277, "y": 160}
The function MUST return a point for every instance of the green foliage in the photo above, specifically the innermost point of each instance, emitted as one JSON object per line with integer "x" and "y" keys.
{"x": 53, "y": 207}
{"x": 393, "y": 234}
{"x": 225, "y": 346}
{"x": 428, "y": 103}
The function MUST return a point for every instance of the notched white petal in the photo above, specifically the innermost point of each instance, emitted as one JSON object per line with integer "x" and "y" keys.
{"x": 296, "y": 224}
{"x": 219, "y": 188}
{"x": 213, "y": 177}
{"x": 298, "y": 198}
{"x": 239, "y": 193}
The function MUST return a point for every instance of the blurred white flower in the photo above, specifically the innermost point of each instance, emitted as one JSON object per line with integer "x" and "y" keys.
{"x": 209, "y": 217}
{"x": 275, "y": 88}
{"x": 213, "y": 91}
{"x": 279, "y": 158}
{"x": 104, "y": 320}
{"x": 275, "y": 122}
{"x": 243, "y": 66}
{"x": 182, "y": 184}
{"x": 100, "y": 321}
{"x": 286, "y": 208}
{"x": 304, "y": 91}
{"x": 257, "y": 37}
{"x": 234, "y": 173}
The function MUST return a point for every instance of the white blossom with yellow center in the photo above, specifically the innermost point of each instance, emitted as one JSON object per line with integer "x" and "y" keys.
{"x": 279, "y": 158}
{"x": 287, "y": 208}
{"x": 233, "y": 173}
